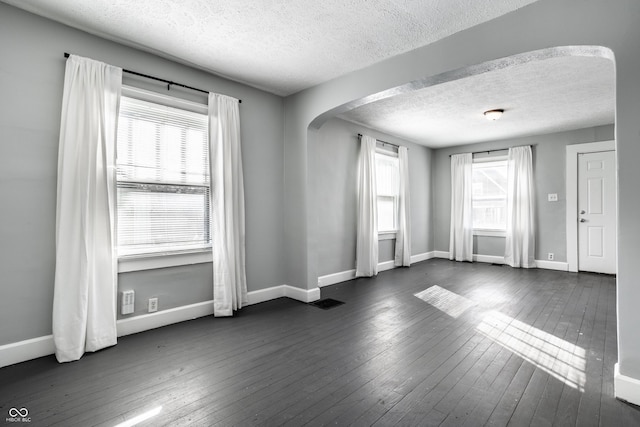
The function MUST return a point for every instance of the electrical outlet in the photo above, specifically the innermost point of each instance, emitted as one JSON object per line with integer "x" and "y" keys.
{"x": 128, "y": 299}
{"x": 552, "y": 197}
{"x": 153, "y": 305}
{"x": 550, "y": 256}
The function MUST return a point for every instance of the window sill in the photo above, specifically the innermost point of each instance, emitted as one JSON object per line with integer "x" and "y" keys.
{"x": 490, "y": 233}
{"x": 162, "y": 260}
{"x": 387, "y": 235}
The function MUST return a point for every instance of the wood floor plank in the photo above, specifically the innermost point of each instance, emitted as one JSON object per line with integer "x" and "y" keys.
{"x": 471, "y": 394}
{"x": 588, "y": 411}
{"x": 568, "y": 364}
{"x": 529, "y": 343}
{"x": 383, "y": 358}
{"x": 579, "y": 333}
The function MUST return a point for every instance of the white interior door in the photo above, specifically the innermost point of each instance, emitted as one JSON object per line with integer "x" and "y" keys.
{"x": 597, "y": 212}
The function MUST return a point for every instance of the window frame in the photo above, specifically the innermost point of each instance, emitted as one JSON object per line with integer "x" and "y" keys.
{"x": 389, "y": 234}
{"x": 489, "y": 232}
{"x": 167, "y": 257}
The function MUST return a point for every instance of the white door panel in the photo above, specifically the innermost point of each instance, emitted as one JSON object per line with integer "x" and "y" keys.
{"x": 597, "y": 212}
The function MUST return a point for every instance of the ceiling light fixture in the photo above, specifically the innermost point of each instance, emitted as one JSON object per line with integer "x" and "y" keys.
{"x": 493, "y": 114}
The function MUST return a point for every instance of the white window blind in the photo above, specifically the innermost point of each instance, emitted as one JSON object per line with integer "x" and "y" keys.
{"x": 387, "y": 181}
{"x": 489, "y": 195}
{"x": 162, "y": 178}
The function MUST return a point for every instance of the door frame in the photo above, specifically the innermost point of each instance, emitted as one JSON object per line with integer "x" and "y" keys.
{"x": 573, "y": 151}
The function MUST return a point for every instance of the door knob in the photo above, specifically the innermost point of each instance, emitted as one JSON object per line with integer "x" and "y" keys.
{"x": 583, "y": 220}
{"x": 582, "y": 212}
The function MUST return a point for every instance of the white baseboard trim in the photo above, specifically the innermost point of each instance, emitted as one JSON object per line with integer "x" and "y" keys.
{"x": 422, "y": 257}
{"x": 304, "y": 295}
{"x": 626, "y": 388}
{"x": 332, "y": 279}
{"x": 299, "y": 294}
{"x": 491, "y": 259}
{"x": 267, "y": 294}
{"x": 344, "y": 276}
{"x": 441, "y": 254}
{"x": 386, "y": 265}
{"x": 43, "y": 346}
{"x": 34, "y": 348}
{"x": 552, "y": 265}
{"x": 146, "y": 322}
{"x": 21, "y": 351}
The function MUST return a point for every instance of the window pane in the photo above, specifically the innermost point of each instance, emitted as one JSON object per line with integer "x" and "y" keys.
{"x": 387, "y": 175}
{"x": 490, "y": 195}
{"x": 170, "y": 150}
{"x": 155, "y": 217}
{"x": 386, "y": 214}
{"x": 163, "y": 178}
{"x": 388, "y": 185}
{"x": 490, "y": 214}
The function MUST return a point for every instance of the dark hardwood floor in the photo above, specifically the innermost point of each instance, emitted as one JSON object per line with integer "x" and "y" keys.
{"x": 479, "y": 345}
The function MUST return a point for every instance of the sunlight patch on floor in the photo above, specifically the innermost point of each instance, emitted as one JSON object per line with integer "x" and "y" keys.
{"x": 140, "y": 418}
{"x": 559, "y": 358}
{"x": 449, "y": 302}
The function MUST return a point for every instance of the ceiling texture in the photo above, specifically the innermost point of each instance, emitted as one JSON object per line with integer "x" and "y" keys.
{"x": 284, "y": 46}
{"x": 538, "y": 97}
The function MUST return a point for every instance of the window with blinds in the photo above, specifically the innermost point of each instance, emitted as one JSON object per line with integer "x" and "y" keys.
{"x": 489, "y": 195}
{"x": 162, "y": 179}
{"x": 388, "y": 185}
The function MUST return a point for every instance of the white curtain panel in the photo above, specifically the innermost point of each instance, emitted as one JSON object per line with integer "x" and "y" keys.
{"x": 367, "y": 234}
{"x": 227, "y": 206}
{"x": 520, "y": 241}
{"x": 403, "y": 236}
{"x": 85, "y": 283}
{"x": 461, "y": 234}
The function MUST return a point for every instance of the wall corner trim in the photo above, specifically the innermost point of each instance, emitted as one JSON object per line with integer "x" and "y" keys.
{"x": 441, "y": 254}
{"x": 422, "y": 257}
{"x": 304, "y": 295}
{"x": 626, "y": 388}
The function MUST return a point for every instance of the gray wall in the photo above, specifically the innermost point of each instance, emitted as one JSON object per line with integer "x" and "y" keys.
{"x": 549, "y": 166}
{"x": 333, "y": 173}
{"x": 31, "y": 80}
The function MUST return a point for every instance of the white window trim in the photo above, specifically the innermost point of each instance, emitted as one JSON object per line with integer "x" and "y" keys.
{"x": 387, "y": 151}
{"x": 166, "y": 258}
{"x": 488, "y": 232}
{"x": 387, "y": 235}
{"x": 162, "y": 99}
{"x": 487, "y": 159}
{"x": 162, "y": 260}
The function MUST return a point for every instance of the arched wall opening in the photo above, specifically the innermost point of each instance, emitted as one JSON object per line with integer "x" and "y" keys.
{"x": 332, "y": 146}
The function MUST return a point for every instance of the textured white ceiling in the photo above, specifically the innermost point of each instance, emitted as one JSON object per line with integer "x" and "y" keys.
{"x": 551, "y": 95}
{"x": 282, "y": 46}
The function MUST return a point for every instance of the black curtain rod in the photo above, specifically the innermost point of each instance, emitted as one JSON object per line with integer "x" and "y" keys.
{"x": 383, "y": 142}
{"x": 168, "y": 82}
{"x": 485, "y": 151}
